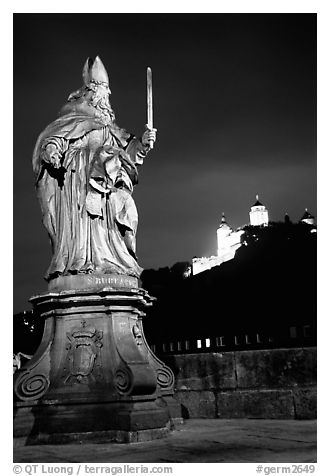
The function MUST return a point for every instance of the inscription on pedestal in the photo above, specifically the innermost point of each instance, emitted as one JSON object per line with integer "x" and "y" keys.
{"x": 96, "y": 282}
{"x": 116, "y": 281}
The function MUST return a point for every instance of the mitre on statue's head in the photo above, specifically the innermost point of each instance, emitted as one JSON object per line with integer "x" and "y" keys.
{"x": 95, "y": 72}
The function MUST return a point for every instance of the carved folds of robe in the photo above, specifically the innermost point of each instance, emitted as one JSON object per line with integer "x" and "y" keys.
{"x": 87, "y": 226}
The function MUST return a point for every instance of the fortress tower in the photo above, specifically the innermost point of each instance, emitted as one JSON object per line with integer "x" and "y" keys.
{"x": 259, "y": 214}
{"x": 223, "y": 236}
{"x": 307, "y": 218}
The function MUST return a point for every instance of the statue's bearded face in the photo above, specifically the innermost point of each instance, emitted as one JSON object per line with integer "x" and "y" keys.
{"x": 101, "y": 97}
{"x": 96, "y": 95}
{"x": 104, "y": 89}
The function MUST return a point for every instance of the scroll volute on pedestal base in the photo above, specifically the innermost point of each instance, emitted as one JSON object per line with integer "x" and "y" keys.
{"x": 94, "y": 375}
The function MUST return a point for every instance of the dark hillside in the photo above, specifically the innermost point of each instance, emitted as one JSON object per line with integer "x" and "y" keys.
{"x": 269, "y": 285}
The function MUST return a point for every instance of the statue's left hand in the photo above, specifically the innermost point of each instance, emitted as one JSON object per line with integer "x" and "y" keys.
{"x": 149, "y": 136}
{"x": 52, "y": 156}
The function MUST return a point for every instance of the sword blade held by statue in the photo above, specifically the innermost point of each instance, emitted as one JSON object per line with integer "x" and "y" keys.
{"x": 150, "y": 124}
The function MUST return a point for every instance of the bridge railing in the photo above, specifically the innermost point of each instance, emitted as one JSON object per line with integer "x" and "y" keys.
{"x": 294, "y": 336}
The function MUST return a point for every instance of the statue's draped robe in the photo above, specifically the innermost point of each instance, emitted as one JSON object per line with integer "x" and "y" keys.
{"x": 82, "y": 242}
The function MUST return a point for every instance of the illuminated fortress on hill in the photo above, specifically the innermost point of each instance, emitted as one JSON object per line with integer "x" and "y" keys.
{"x": 228, "y": 241}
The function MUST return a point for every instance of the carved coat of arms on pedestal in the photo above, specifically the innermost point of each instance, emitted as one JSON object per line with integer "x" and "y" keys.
{"x": 83, "y": 350}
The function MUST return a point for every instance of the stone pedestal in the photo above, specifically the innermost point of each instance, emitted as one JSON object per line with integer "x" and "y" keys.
{"x": 93, "y": 375}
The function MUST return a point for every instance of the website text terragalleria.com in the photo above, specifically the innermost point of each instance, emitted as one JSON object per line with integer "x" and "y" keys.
{"x": 35, "y": 469}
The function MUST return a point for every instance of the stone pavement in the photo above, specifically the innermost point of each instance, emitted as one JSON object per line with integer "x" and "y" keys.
{"x": 198, "y": 441}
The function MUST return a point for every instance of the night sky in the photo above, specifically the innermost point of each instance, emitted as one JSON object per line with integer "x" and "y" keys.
{"x": 234, "y": 105}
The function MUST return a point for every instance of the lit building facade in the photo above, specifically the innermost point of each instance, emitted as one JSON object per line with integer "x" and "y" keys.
{"x": 228, "y": 241}
{"x": 259, "y": 214}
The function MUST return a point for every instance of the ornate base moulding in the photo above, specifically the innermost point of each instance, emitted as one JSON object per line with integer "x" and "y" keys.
{"x": 93, "y": 375}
